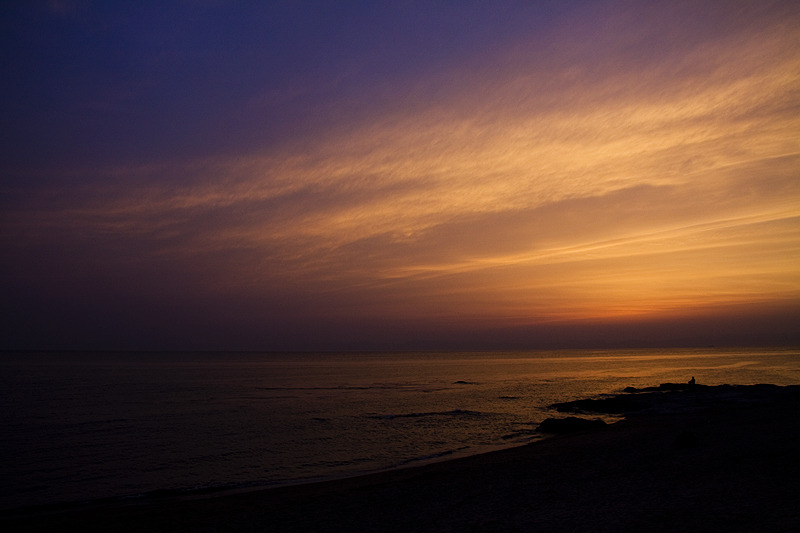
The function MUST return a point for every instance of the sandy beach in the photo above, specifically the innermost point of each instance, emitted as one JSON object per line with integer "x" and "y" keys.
{"x": 711, "y": 459}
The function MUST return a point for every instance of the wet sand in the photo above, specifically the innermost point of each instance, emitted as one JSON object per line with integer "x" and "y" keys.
{"x": 687, "y": 461}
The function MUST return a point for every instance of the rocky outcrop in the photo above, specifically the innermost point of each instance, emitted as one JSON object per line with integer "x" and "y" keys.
{"x": 671, "y": 387}
{"x": 612, "y": 405}
{"x": 680, "y": 397}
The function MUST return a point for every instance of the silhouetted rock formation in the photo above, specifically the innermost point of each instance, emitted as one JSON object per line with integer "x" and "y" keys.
{"x": 691, "y": 385}
{"x": 680, "y": 397}
{"x": 612, "y": 405}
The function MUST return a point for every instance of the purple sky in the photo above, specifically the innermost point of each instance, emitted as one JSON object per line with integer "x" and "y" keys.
{"x": 399, "y": 175}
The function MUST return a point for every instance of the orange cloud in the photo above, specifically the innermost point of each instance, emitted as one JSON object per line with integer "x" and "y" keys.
{"x": 543, "y": 189}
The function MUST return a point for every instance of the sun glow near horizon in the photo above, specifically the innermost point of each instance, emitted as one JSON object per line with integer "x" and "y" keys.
{"x": 591, "y": 179}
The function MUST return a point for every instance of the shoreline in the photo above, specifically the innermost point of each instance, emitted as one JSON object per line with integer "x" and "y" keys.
{"x": 183, "y": 494}
{"x": 721, "y": 458}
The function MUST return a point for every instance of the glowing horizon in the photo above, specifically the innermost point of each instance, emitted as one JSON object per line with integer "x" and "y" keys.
{"x": 614, "y": 164}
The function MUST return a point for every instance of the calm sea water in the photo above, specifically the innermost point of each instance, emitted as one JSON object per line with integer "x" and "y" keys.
{"x": 85, "y": 426}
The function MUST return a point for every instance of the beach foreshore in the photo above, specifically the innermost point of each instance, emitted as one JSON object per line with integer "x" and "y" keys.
{"x": 700, "y": 459}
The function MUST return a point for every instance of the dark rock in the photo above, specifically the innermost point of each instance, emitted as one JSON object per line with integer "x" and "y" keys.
{"x": 613, "y": 405}
{"x": 670, "y": 387}
{"x": 681, "y": 397}
{"x": 674, "y": 386}
{"x": 569, "y": 425}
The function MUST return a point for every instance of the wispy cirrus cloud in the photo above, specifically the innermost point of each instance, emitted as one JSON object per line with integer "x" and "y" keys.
{"x": 579, "y": 174}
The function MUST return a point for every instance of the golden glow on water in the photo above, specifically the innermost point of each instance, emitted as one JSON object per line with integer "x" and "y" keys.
{"x": 187, "y": 421}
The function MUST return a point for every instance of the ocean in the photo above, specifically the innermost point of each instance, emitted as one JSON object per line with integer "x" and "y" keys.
{"x": 80, "y": 427}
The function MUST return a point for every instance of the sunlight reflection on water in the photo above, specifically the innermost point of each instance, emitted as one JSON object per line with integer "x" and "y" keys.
{"x": 86, "y": 426}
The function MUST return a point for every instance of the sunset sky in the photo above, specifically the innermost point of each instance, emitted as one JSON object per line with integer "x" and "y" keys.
{"x": 399, "y": 175}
